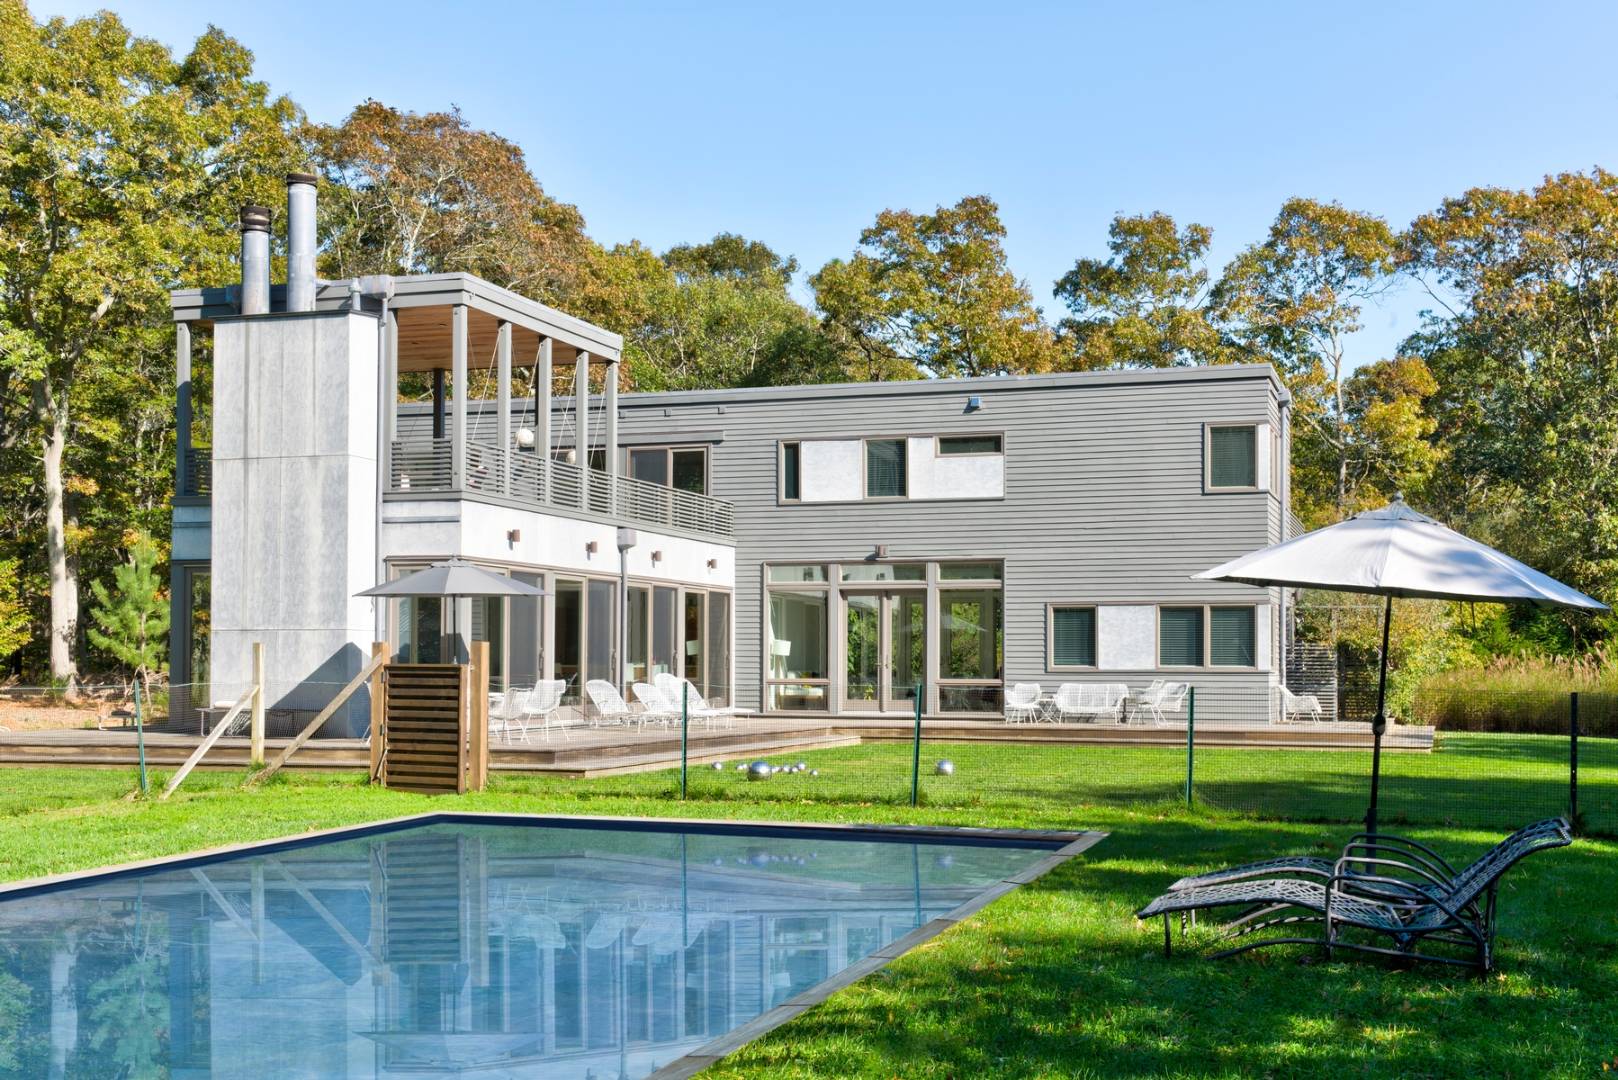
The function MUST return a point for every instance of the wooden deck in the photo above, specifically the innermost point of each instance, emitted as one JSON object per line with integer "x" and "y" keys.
{"x": 586, "y": 752}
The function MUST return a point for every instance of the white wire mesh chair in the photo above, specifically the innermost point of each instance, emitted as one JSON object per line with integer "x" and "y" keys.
{"x": 1022, "y": 703}
{"x": 542, "y": 706}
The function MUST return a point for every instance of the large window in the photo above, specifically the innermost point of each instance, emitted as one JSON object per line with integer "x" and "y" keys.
{"x": 1232, "y": 454}
{"x": 1072, "y": 634}
{"x": 1207, "y": 636}
{"x": 798, "y": 673}
{"x": 971, "y": 650}
{"x": 885, "y": 469}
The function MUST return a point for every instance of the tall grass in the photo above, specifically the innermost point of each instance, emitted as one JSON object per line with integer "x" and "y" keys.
{"x": 1525, "y": 694}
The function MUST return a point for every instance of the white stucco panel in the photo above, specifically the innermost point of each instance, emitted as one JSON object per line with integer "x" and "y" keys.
{"x": 831, "y": 470}
{"x": 1263, "y": 627}
{"x": 1126, "y": 637}
{"x": 1264, "y": 444}
{"x": 952, "y": 476}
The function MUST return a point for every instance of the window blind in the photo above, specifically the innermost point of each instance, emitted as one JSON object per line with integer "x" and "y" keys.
{"x": 1233, "y": 457}
{"x": 1073, "y": 636}
{"x": 1179, "y": 637}
{"x": 885, "y": 469}
{"x": 1231, "y": 637}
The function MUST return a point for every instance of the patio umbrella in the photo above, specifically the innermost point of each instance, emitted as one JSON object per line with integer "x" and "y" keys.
{"x": 1393, "y": 552}
{"x": 453, "y": 579}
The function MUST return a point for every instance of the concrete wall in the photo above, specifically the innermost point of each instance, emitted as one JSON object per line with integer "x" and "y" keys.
{"x": 294, "y": 502}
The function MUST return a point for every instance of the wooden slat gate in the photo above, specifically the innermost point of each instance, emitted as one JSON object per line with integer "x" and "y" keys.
{"x": 424, "y": 727}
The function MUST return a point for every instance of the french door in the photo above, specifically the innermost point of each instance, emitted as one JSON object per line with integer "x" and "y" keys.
{"x": 885, "y": 649}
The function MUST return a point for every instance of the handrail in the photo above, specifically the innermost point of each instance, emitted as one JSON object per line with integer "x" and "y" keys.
{"x": 423, "y": 465}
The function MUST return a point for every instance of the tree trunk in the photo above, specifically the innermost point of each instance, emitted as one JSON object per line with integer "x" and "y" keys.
{"x": 64, "y": 580}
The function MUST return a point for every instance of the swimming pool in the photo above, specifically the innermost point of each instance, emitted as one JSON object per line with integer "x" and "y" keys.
{"x": 492, "y": 944}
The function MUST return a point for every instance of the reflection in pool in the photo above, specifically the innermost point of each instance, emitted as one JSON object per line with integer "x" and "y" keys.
{"x": 504, "y": 949}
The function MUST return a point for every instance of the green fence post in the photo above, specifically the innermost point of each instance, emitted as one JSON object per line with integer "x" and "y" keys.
{"x": 1573, "y": 760}
{"x": 685, "y": 730}
{"x": 1190, "y": 743}
{"x": 915, "y": 753}
{"x": 140, "y": 739}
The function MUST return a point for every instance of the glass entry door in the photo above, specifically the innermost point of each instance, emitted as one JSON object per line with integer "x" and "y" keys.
{"x": 886, "y": 649}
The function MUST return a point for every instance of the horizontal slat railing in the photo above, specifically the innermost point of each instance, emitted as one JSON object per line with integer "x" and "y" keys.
{"x": 424, "y": 465}
{"x": 198, "y": 471}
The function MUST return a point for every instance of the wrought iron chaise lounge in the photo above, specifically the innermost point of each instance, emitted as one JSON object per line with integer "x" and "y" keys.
{"x": 1380, "y": 885}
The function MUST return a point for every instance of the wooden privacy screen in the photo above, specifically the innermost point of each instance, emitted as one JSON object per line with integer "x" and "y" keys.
{"x": 431, "y": 738}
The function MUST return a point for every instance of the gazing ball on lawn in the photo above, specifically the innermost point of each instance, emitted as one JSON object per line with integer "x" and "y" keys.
{"x": 741, "y": 766}
{"x": 759, "y": 770}
{"x": 802, "y": 765}
{"x": 718, "y": 766}
{"x": 945, "y": 768}
{"x": 814, "y": 772}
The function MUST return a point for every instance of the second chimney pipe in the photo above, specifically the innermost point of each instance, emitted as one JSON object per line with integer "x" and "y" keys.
{"x": 300, "y": 242}
{"x": 255, "y": 260}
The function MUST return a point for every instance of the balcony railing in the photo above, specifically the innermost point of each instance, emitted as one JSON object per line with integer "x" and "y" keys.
{"x": 425, "y": 465}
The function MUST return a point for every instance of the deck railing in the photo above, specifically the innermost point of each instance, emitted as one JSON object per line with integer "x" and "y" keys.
{"x": 198, "y": 471}
{"x": 424, "y": 465}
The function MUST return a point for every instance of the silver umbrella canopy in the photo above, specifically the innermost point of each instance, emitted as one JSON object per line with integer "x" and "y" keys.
{"x": 453, "y": 579}
{"x": 1391, "y": 552}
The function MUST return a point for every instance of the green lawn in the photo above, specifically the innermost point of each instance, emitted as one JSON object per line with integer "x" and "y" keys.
{"x": 1056, "y": 979}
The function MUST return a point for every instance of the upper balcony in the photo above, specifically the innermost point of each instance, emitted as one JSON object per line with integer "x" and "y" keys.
{"x": 425, "y": 467}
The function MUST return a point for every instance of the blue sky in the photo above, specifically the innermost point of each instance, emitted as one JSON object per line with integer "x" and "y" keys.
{"x": 795, "y": 125}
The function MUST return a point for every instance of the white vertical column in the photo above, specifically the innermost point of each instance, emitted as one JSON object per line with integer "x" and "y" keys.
{"x": 542, "y": 418}
{"x": 457, "y": 453}
{"x": 182, "y": 408}
{"x": 609, "y": 434}
{"x": 503, "y": 399}
{"x": 581, "y": 427}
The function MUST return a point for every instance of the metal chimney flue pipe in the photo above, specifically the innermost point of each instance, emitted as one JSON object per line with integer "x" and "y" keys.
{"x": 301, "y": 241}
{"x": 255, "y": 226}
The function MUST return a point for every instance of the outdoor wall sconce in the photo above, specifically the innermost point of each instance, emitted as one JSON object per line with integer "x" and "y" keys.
{"x": 713, "y": 564}
{"x": 591, "y": 547}
{"x": 513, "y": 535}
{"x": 657, "y": 557}
{"x": 881, "y": 552}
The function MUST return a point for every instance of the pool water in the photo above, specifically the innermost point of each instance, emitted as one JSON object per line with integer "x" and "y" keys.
{"x": 499, "y": 950}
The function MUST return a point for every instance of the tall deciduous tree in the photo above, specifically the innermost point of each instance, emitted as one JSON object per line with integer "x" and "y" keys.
{"x": 123, "y": 168}
{"x": 1525, "y": 349}
{"x": 422, "y": 193}
{"x": 1146, "y": 305}
{"x": 932, "y": 293}
{"x": 1293, "y": 299}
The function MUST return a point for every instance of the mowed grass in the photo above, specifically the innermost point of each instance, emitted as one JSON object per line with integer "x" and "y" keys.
{"x": 1056, "y": 979}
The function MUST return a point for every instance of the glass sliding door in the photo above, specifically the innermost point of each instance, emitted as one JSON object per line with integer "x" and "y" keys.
{"x": 694, "y": 626}
{"x": 419, "y": 630}
{"x": 640, "y": 626}
{"x": 799, "y": 677}
{"x": 885, "y": 649}
{"x": 569, "y": 606}
{"x": 489, "y": 624}
{"x": 664, "y": 635}
{"x": 524, "y": 636}
{"x": 719, "y": 648}
{"x": 971, "y": 650}
{"x": 601, "y": 644}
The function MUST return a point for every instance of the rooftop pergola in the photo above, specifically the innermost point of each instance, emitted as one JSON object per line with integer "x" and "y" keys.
{"x": 443, "y": 325}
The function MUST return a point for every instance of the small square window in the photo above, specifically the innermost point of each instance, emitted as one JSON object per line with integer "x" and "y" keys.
{"x": 885, "y": 469}
{"x": 1073, "y": 637}
{"x": 1233, "y": 456}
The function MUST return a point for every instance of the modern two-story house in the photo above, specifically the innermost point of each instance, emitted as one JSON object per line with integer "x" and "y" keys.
{"x": 794, "y": 550}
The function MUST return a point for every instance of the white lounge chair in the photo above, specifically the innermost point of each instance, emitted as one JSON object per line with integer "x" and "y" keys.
{"x": 1299, "y": 706}
{"x": 1157, "y": 702}
{"x": 504, "y": 712}
{"x": 610, "y": 706}
{"x": 654, "y": 707}
{"x": 1089, "y": 702}
{"x": 1022, "y": 703}
{"x": 680, "y": 693}
{"x": 542, "y": 706}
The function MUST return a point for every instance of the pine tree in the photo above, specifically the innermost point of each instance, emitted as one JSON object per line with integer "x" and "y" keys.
{"x": 132, "y": 617}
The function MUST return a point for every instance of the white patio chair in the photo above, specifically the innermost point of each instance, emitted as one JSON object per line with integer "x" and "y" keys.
{"x": 504, "y": 709}
{"x": 676, "y": 691}
{"x": 542, "y": 706}
{"x": 1088, "y": 702}
{"x": 1159, "y": 702}
{"x": 1297, "y": 706}
{"x": 654, "y": 707}
{"x": 1022, "y": 703}
{"x": 610, "y": 706}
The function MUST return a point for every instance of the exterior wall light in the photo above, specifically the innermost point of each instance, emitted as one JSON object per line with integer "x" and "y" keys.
{"x": 513, "y": 535}
{"x": 591, "y": 547}
{"x": 657, "y": 557}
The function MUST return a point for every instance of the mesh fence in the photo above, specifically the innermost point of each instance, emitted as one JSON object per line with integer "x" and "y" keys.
{"x": 180, "y": 709}
{"x": 1492, "y": 761}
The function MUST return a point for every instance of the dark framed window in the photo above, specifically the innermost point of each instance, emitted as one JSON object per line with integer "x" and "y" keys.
{"x": 684, "y": 468}
{"x": 1179, "y": 636}
{"x": 969, "y": 444}
{"x": 885, "y": 469}
{"x": 791, "y": 491}
{"x": 1233, "y": 456}
{"x": 1232, "y": 634}
{"x": 1073, "y": 636}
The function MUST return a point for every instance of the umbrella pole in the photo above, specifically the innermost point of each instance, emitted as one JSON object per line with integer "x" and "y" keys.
{"x": 1379, "y": 723}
